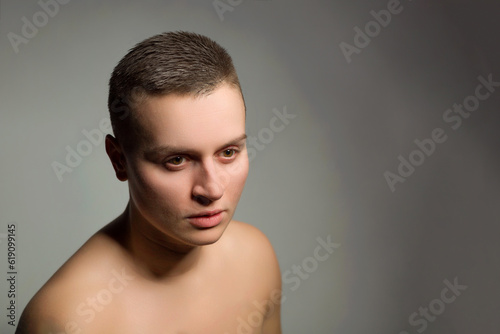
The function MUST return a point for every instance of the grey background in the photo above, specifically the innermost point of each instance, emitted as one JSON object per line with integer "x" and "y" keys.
{"x": 322, "y": 175}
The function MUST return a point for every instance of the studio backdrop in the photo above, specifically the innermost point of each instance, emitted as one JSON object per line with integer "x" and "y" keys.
{"x": 373, "y": 142}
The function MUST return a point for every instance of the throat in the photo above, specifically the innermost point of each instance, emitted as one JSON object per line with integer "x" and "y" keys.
{"x": 153, "y": 253}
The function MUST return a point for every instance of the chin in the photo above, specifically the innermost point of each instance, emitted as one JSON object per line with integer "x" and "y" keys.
{"x": 205, "y": 237}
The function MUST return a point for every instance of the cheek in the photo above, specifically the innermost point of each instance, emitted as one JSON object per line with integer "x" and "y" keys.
{"x": 154, "y": 186}
{"x": 238, "y": 175}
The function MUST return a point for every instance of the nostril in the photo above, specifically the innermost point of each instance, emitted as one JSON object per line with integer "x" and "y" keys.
{"x": 202, "y": 200}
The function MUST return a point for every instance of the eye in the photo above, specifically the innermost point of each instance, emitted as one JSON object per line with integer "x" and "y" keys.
{"x": 228, "y": 153}
{"x": 176, "y": 161}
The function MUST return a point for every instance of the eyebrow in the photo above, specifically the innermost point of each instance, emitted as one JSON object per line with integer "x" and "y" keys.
{"x": 161, "y": 151}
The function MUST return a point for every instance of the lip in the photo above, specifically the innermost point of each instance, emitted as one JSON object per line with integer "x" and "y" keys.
{"x": 206, "y": 219}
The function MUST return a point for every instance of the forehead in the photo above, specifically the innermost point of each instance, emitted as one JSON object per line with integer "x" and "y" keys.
{"x": 195, "y": 122}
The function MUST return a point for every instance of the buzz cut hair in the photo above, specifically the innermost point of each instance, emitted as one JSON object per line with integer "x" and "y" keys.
{"x": 180, "y": 63}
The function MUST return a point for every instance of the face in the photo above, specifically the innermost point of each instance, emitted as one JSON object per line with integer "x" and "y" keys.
{"x": 186, "y": 178}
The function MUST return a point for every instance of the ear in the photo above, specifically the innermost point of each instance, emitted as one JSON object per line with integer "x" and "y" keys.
{"x": 117, "y": 158}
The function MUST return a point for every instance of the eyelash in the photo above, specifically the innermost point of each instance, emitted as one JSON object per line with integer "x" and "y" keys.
{"x": 168, "y": 163}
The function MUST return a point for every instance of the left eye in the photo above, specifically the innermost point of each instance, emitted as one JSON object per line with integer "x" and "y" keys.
{"x": 228, "y": 153}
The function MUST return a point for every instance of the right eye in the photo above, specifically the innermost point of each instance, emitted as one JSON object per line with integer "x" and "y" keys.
{"x": 176, "y": 161}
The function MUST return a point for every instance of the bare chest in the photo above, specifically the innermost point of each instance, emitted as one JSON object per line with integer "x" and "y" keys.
{"x": 223, "y": 307}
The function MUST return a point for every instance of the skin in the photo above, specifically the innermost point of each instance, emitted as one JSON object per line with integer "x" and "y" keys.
{"x": 152, "y": 270}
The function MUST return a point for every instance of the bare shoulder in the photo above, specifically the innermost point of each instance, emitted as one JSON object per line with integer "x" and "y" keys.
{"x": 249, "y": 239}
{"x": 67, "y": 301}
{"x": 254, "y": 257}
{"x": 249, "y": 247}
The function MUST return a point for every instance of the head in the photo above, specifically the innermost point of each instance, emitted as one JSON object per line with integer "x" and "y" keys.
{"x": 178, "y": 117}
{"x": 179, "y": 63}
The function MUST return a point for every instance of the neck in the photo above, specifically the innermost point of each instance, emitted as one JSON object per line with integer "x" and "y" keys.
{"x": 155, "y": 254}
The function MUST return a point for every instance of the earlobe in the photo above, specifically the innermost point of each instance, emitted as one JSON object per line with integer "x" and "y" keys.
{"x": 117, "y": 158}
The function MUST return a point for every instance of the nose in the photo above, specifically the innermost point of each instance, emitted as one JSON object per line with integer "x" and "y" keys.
{"x": 210, "y": 183}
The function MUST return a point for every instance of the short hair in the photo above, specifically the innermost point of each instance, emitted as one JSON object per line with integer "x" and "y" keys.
{"x": 182, "y": 63}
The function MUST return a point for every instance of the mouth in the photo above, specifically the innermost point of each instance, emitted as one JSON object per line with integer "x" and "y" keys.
{"x": 206, "y": 219}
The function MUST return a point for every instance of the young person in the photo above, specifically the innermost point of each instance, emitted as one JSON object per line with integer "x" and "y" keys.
{"x": 174, "y": 261}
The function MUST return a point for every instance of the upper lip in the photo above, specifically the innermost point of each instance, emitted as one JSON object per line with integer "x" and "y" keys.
{"x": 205, "y": 213}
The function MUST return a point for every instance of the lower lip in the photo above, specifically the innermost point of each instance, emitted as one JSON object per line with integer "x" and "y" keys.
{"x": 206, "y": 221}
